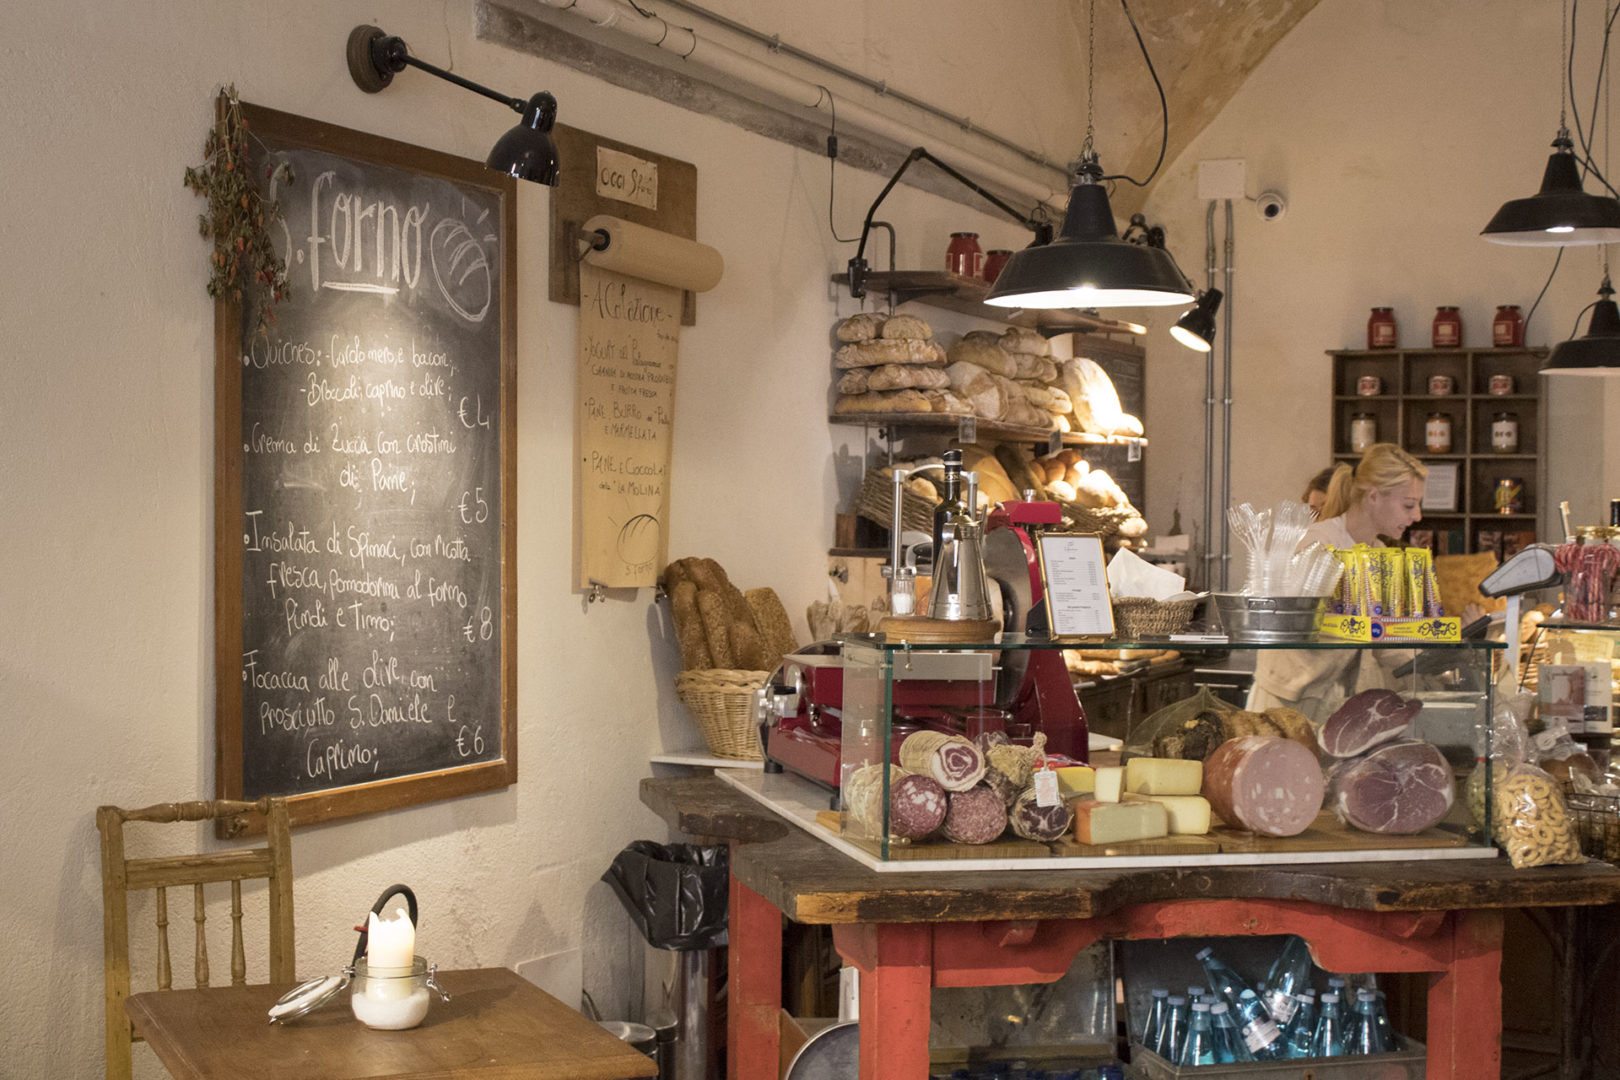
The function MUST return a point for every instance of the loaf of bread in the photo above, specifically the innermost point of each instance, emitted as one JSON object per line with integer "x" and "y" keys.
{"x": 772, "y": 619}
{"x": 862, "y": 327}
{"x": 1038, "y": 368}
{"x": 1061, "y": 402}
{"x": 1021, "y": 412}
{"x": 907, "y": 377}
{"x": 1096, "y": 402}
{"x": 1037, "y": 395}
{"x": 886, "y": 401}
{"x": 854, "y": 381}
{"x": 1018, "y": 339}
{"x": 887, "y": 351}
{"x": 994, "y": 483}
{"x": 714, "y": 622}
{"x": 906, "y": 326}
{"x": 945, "y": 401}
{"x": 992, "y": 358}
{"x": 1061, "y": 422}
{"x": 985, "y": 393}
{"x": 693, "y": 642}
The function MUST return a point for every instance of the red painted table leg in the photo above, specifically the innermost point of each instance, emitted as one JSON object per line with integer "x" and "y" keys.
{"x": 1465, "y": 1002}
{"x": 896, "y": 965}
{"x": 754, "y": 988}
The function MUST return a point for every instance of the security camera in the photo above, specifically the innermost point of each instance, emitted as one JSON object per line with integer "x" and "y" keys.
{"x": 1271, "y": 205}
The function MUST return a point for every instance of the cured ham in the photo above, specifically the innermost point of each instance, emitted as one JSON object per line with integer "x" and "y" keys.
{"x": 1368, "y": 719}
{"x": 1399, "y": 789}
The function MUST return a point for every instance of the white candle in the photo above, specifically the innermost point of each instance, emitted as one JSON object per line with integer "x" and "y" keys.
{"x": 391, "y": 942}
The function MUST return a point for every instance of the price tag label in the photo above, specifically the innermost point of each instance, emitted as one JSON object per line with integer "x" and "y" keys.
{"x": 1046, "y": 787}
{"x": 1054, "y": 442}
{"x": 1133, "y": 451}
{"x": 967, "y": 430}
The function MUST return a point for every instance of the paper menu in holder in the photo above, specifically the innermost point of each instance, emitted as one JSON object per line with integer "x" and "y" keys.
{"x": 1075, "y": 576}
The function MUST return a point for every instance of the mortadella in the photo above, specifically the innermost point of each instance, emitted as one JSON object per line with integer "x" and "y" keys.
{"x": 1265, "y": 784}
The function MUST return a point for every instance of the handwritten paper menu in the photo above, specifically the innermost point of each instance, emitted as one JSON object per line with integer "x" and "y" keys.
{"x": 370, "y": 546}
{"x": 629, "y": 335}
{"x": 1076, "y": 579}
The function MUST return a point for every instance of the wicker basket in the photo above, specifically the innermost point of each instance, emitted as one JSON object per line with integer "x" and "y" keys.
{"x": 722, "y": 699}
{"x": 1105, "y": 523}
{"x": 876, "y": 503}
{"x": 1137, "y": 617}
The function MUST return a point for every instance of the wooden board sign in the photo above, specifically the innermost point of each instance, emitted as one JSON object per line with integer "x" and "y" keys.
{"x": 364, "y": 483}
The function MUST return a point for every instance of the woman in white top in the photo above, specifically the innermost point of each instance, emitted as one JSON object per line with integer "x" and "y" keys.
{"x": 1381, "y": 496}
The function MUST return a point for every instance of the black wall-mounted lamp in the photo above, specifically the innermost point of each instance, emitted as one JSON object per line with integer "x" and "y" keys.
{"x": 1196, "y": 329}
{"x": 525, "y": 152}
{"x": 858, "y": 268}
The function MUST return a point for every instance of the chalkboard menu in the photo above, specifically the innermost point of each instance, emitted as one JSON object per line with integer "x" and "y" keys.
{"x": 364, "y": 525}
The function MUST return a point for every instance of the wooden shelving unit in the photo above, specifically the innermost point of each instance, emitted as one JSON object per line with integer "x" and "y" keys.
{"x": 1401, "y": 412}
{"x": 971, "y": 428}
{"x": 954, "y": 292}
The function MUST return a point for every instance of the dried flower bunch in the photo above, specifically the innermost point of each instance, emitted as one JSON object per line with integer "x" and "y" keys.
{"x": 239, "y": 216}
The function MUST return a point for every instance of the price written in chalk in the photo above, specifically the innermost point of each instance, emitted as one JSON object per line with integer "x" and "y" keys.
{"x": 626, "y": 179}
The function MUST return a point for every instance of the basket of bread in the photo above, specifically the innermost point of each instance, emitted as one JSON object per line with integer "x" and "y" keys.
{"x": 730, "y": 641}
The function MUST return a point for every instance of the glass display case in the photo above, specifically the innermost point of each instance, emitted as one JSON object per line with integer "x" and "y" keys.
{"x": 1358, "y": 752}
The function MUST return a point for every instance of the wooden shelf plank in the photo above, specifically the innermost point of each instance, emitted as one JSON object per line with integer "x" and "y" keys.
{"x": 954, "y": 292}
{"x": 992, "y": 428}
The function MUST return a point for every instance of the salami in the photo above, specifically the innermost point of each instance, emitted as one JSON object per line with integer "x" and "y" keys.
{"x": 1399, "y": 789}
{"x": 916, "y": 803}
{"x": 1366, "y": 720}
{"x": 1265, "y": 784}
{"x": 1033, "y": 821}
{"x": 950, "y": 759}
{"x": 1008, "y": 766}
{"x": 976, "y": 816}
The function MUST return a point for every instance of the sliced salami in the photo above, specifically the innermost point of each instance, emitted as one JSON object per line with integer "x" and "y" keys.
{"x": 1265, "y": 784}
{"x": 1368, "y": 719}
{"x": 976, "y": 816}
{"x": 950, "y": 759}
{"x": 1033, "y": 821}
{"x": 1399, "y": 789}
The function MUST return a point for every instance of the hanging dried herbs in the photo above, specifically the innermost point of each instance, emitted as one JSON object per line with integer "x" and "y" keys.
{"x": 239, "y": 216}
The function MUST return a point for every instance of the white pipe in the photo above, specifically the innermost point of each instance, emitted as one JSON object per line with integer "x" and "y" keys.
{"x": 621, "y": 18}
{"x": 1226, "y": 404}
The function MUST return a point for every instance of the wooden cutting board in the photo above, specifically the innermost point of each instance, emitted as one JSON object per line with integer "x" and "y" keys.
{"x": 1164, "y": 845}
{"x": 1330, "y": 834}
{"x": 1008, "y": 847}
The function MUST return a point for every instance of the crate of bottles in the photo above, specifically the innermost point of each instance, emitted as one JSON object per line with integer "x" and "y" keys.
{"x": 1228, "y": 1023}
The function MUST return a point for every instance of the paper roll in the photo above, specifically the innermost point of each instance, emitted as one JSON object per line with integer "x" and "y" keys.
{"x": 654, "y": 255}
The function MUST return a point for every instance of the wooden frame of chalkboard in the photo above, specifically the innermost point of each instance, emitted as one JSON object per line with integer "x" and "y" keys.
{"x": 365, "y": 532}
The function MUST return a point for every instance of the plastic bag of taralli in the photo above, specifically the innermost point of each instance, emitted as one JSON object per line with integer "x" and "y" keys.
{"x": 1190, "y": 729}
{"x": 1509, "y": 746}
{"x": 1532, "y": 823}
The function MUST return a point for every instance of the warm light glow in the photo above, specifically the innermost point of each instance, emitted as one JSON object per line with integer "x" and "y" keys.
{"x": 1190, "y": 339}
{"x": 1087, "y": 296}
{"x": 1562, "y": 228}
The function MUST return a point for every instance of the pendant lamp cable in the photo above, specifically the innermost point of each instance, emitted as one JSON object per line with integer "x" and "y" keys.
{"x": 1567, "y": 84}
{"x": 1164, "y": 106}
{"x": 1087, "y": 148}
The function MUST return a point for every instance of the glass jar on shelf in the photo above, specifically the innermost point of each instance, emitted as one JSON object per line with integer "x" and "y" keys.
{"x": 1447, "y": 328}
{"x": 1381, "y": 328}
{"x": 1507, "y": 329}
{"x": 1505, "y": 433}
{"x": 964, "y": 256}
{"x": 1363, "y": 432}
{"x": 1437, "y": 433}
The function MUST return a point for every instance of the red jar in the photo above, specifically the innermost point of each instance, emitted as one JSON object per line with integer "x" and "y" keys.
{"x": 993, "y": 263}
{"x": 1447, "y": 328}
{"x": 1507, "y": 329}
{"x": 965, "y": 256}
{"x": 1381, "y": 328}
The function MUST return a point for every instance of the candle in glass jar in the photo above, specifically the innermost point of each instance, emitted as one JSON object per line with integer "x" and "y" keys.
{"x": 391, "y": 942}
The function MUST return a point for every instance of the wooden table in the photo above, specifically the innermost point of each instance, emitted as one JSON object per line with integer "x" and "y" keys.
{"x": 911, "y": 932}
{"x": 497, "y": 1026}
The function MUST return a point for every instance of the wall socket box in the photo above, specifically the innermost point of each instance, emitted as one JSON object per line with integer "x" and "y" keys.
{"x": 1221, "y": 178}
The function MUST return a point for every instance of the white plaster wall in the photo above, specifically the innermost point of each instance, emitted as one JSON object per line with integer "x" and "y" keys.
{"x": 1396, "y": 130}
{"x": 106, "y": 411}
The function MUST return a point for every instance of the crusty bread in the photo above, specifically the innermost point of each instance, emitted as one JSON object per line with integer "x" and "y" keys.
{"x": 885, "y": 401}
{"x": 907, "y": 377}
{"x": 990, "y": 357}
{"x": 947, "y": 402}
{"x": 854, "y": 381}
{"x": 987, "y": 394}
{"x": 906, "y": 326}
{"x": 886, "y": 351}
{"x": 861, "y": 327}
{"x": 1018, "y": 339}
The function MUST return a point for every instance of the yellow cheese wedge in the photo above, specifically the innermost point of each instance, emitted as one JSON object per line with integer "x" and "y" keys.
{"x": 1110, "y": 783}
{"x": 1189, "y": 814}
{"x": 1113, "y": 823}
{"x": 1076, "y": 780}
{"x": 1163, "y": 776}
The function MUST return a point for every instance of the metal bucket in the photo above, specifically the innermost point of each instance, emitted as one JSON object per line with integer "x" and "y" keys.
{"x": 1270, "y": 618}
{"x": 639, "y": 1036}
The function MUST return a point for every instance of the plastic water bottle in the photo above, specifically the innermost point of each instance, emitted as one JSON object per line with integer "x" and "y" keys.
{"x": 1260, "y": 1032}
{"x": 1198, "y": 993}
{"x": 1364, "y": 1037}
{"x": 1386, "y": 1031}
{"x": 1199, "y": 1049}
{"x": 1328, "y": 1040}
{"x": 1174, "y": 1032}
{"x": 1155, "y": 1018}
{"x": 1297, "y": 1035}
{"x": 1290, "y": 973}
{"x": 1229, "y": 1048}
{"x": 1227, "y": 984}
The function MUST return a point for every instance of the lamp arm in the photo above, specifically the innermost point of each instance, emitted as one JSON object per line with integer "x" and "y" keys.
{"x": 858, "y": 265}
{"x": 391, "y": 54}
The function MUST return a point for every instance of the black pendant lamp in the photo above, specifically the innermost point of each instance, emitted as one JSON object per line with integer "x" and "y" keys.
{"x": 526, "y": 152}
{"x": 1561, "y": 213}
{"x": 1088, "y": 265}
{"x": 1598, "y": 353}
{"x": 1196, "y": 329}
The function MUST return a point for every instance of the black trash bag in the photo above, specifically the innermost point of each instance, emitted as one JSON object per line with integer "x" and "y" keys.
{"x": 677, "y": 893}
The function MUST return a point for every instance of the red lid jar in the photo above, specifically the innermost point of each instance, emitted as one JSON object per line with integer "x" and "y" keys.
{"x": 964, "y": 255}
{"x": 994, "y": 262}
{"x": 1447, "y": 328}
{"x": 1381, "y": 328}
{"x": 1507, "y": 329}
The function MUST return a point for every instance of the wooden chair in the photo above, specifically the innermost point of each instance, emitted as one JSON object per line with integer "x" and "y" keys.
{"x": 119, "y": 876}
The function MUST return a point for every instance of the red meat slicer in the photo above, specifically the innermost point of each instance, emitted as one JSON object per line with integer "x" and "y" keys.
{"x": 1017, "y": 691}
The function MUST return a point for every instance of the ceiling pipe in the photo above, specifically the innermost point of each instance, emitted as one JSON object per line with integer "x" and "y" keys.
{"x": 618, "y": 17}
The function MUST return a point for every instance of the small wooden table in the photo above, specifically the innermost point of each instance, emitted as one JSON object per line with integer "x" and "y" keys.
{"x": 497, "y": 1026}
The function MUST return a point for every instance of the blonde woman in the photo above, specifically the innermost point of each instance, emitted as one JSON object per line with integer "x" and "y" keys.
{"x": 1380, "y": 497}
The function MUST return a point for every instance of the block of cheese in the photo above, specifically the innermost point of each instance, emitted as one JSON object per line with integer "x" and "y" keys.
{"x": 1110, "y": 781}
{"x": 1163, "y": 776}
{"x": 1113, "y": 823}
{"x": 1189, "y": 814}
{"x": 1076, "y": 780}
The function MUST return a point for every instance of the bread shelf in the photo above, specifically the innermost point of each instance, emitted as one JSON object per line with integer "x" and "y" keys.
{"x": 982, "y": 428}
{"x": 954, "y": 292}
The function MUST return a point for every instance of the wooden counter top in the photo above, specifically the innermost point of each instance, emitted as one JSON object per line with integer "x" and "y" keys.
{"x": 813, "y": 883}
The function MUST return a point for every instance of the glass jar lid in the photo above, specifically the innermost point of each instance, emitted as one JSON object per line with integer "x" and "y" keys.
{"x": 308, "y": 996}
